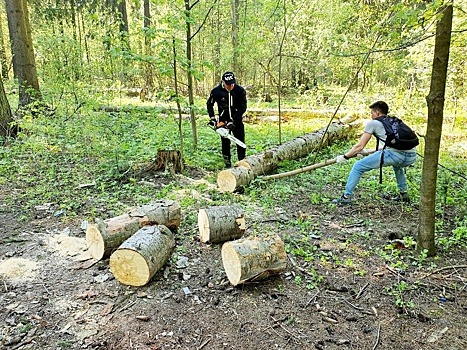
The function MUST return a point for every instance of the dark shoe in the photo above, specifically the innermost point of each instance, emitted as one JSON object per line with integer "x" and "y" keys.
{"x": 228, "y": 165}
{"x": 342, "y": 200}
{"x": 401, "y": 197}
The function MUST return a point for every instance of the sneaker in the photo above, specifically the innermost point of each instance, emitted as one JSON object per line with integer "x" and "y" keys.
{"x": 342, "y": 200}
{"x": 401, "y": 197}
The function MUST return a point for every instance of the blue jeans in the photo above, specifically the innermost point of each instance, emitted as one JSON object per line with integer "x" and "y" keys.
{"x": 397, "y": 159}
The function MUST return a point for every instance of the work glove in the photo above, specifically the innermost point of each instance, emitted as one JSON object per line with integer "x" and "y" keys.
{"x": 212, "y": 122}
{"x": 230, "y": 126}
{"x": 340, "y": 159}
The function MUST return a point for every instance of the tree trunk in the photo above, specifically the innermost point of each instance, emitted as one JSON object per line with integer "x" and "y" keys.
{"x": 6, "y": 116}
{"x": 149, "y": 74}
{"x": 253, "y": 259}
{"x": 190, "y": 73}
{"x": 105, "y": 236}
{"x": 235, "y": 50}
{"x": 220, "y": 224}
{"x": 249, "y": 168}
{"x": 123, "y": 27}
{"x": 435, "y": 103}
{"x": 24, "y": 64}
{"x": 138, "y": 259}
{"x": 3, "y": 60}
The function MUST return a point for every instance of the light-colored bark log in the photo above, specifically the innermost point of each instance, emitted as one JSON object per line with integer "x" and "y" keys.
{"x": 138, "y": 259}
{"x": 231, "y": 179}
{"x": 105, "y": 236}
{"x": 253, "y": 259}
{"x": 248, "y": 169}
{"x": 221, "y": 223}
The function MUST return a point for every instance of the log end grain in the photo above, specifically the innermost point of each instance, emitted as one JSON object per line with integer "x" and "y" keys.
{"x": 203, "y": 225}
{"x": 95, "y": 242}
{"x": 129, "y": 267}
{"x": 226, "y": 181}
{"x": 232, "y": 264}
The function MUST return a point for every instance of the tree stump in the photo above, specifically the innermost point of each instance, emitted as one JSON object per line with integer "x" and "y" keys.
{"x": 170, "y": 160}
{"x": 105, "y": 236}
{"x": 220, "y": 224}
{"x": 138, "y": 259}
{"x": 253, "y": 259}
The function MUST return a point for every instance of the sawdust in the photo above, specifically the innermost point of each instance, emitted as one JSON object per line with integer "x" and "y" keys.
{"x": 18, "y": 269}
{"x": 68, "y": 246}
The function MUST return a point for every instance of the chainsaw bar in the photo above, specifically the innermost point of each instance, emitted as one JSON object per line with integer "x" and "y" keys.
{"x": 226, "y": 134}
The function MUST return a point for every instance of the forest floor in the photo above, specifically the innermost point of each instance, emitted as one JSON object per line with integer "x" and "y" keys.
{"x": 53, "y": 296}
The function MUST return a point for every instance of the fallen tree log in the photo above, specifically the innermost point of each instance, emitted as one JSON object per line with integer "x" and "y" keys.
{"x": 363, "y": 153}
{"x": 253, "y": 259}
{"x": 221, "y": 223}
{"x": 106, "y": 235}
{"x": 138, "y": 259}
{"x": 264, "y": 163}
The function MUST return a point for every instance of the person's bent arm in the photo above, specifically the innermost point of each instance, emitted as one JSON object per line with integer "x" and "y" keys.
{"x": 359, "y": 146}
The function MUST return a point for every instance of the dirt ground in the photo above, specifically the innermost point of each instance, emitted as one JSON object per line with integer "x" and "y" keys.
{"x": 53, "y": 296}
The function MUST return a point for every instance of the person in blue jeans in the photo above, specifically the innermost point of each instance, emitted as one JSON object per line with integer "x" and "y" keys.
{"x": 399, "y": 160}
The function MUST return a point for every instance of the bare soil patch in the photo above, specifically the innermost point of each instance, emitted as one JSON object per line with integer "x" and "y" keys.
{"x": 54, "y": 297}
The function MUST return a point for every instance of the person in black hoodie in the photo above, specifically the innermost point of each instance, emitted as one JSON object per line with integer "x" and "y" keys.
{"x": 231, "y": 105}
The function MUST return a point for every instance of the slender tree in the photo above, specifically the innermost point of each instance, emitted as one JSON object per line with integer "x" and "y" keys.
{"x": 3, "y": 60}
{"x": 149, "y": 74}
{"x": 6, "y": 117}
{"x": 435, "y": 103}
{"x": 24, "y": 64}
{"x": 235, "y": 16}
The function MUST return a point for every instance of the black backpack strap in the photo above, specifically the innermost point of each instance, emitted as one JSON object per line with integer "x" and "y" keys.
{"x": 381, "y": 166}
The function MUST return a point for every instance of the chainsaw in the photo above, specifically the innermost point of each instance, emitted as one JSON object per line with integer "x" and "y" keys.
{"x": 222, "y": 129}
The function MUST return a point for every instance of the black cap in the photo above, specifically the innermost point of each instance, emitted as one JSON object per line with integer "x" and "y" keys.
{"x": 228, "y": 78}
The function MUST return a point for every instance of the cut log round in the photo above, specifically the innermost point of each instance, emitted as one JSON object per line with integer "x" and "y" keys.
{"x": 234, "y": 178}
{"x": 220, "y": 224}
{"x": 105, "y": 236}
{"x": 253, "y": 259}
{"x": 138, "y": 259}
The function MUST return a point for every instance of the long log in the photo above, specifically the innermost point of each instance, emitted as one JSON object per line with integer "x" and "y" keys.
{"x": 106, "y": 235}
{"x": 248, "y": 169}
{"x": 221, "y": 223}
{"x": 253, "y": 259}
{"x": 138, "y": 259}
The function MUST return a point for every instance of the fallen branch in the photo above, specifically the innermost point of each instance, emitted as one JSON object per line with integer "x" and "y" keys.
{"x": 445, "y": 268}
{"x": 377, "y": 338}
{"x": 309, "y": 167}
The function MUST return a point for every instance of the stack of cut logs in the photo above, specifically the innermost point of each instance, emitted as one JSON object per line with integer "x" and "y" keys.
{"x": 141, "y": 241}
{"x": 244, "y": 260}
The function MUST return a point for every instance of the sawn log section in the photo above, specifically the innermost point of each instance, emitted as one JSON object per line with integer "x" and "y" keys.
{"x": 221, "y": 223}
{"x": 264, "y": 163}
{"x": 253, "y": 258}
{"x": 138, "y": 259}
{"x": 105, "y": 236}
